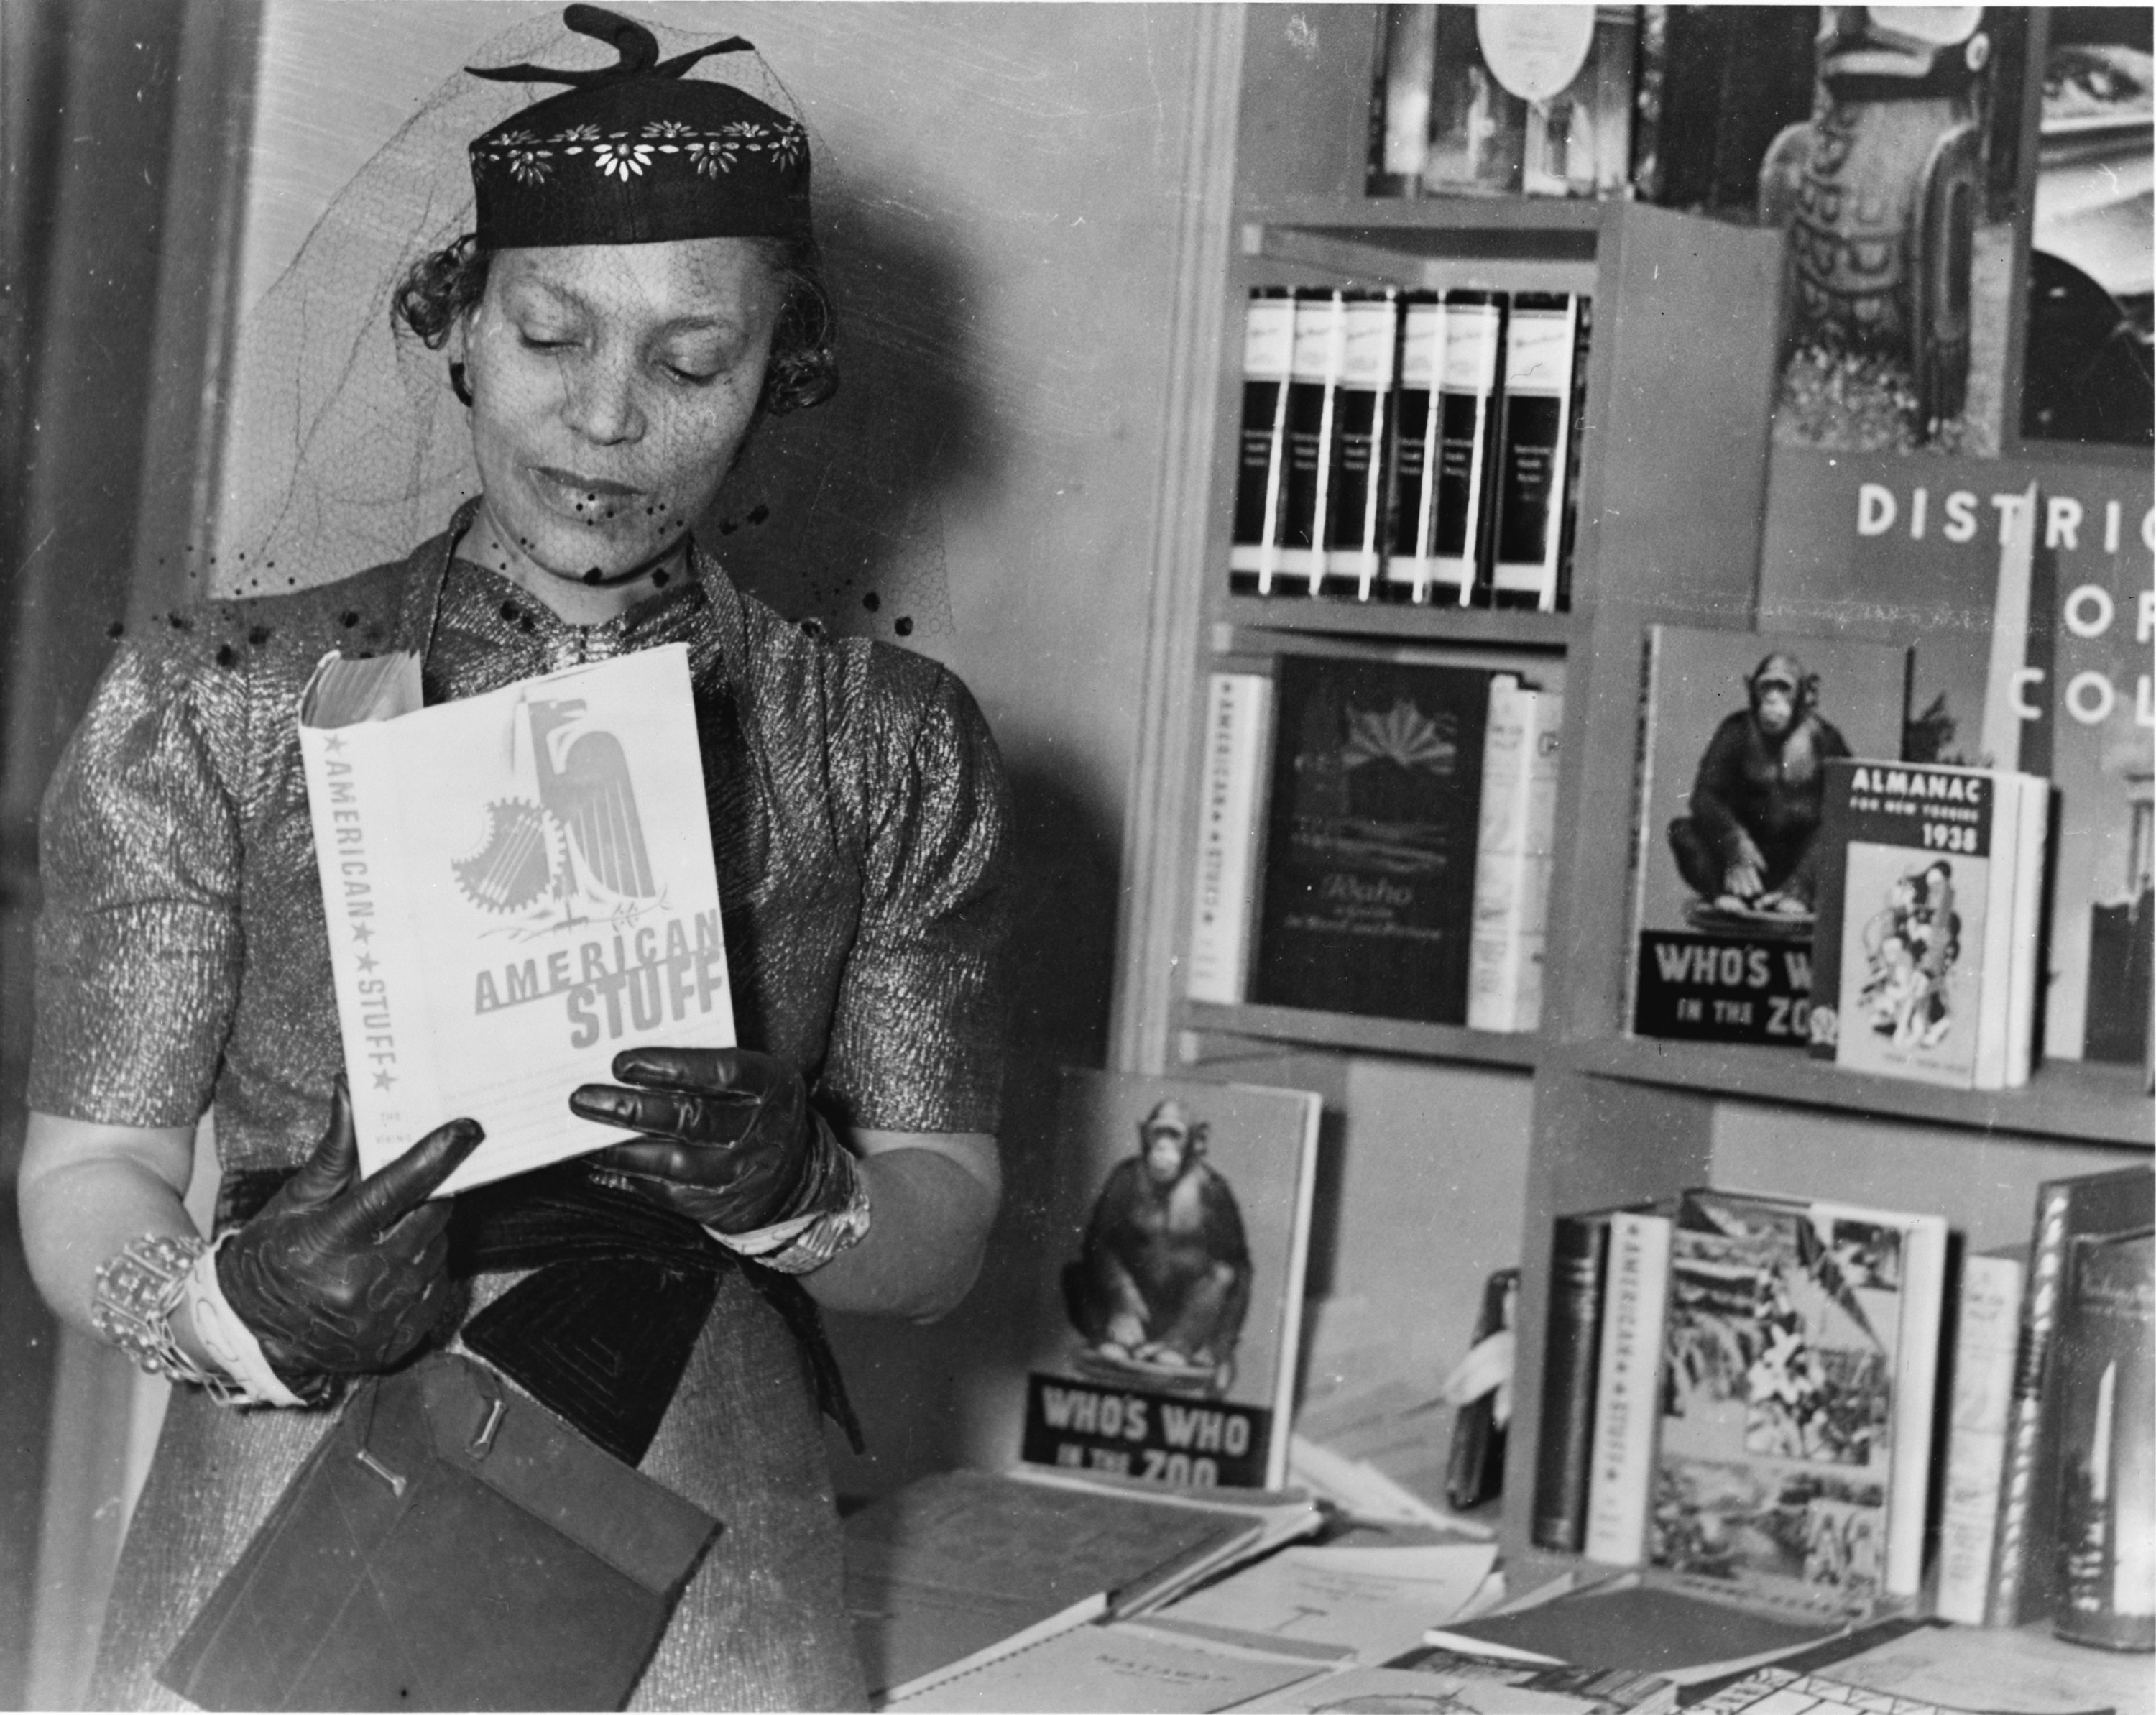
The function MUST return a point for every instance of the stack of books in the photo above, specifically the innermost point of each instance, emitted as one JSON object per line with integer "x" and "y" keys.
{"x": 1389, "y": 855}
{"x": 1411, "y": 447}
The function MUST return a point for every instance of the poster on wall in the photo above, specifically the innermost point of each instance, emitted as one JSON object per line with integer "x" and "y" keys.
{"x": 2087, "y": 367}
{"x": 1910, "y": 550}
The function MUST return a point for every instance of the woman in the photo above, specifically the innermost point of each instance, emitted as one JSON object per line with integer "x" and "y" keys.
{"x": 640, "y": 288}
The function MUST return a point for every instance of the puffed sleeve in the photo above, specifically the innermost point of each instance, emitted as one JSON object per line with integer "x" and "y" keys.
{"x": 138, "y": 947}
{"x": 916, "y": 1039}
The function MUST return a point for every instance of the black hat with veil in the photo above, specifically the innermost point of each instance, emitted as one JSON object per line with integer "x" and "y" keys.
{"x": 357, "y": 446}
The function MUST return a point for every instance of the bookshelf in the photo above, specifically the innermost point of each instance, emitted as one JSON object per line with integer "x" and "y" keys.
{"x": 1677, "y": 469}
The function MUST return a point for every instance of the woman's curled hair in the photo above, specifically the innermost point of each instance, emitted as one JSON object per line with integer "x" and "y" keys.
{"x": 449, "y": 283}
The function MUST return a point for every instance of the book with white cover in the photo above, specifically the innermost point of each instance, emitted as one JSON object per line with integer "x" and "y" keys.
{"x": 1987, "y": 1334}
{"x": 1628, "y": 1387}
{"x": 1238, "y": 708}
{"x": 517, "y": 885}
{"x": 1514, "y": 847}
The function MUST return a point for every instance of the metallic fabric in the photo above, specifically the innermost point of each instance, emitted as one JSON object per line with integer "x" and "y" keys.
{"x": 857, "y": 818}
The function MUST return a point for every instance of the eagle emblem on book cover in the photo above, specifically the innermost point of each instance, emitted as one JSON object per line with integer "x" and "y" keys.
{"x": 573, "y": 849}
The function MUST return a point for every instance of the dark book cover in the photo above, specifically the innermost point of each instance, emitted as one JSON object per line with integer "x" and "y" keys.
{"x": 1467, "y": 407}
{"x": 1737, "y": 728}
{"x": 1410, "y": 509}
{"x": 1313, "y": 388}
{"x": 1369, "y": 885}
{"x": 1475, "y": 1467}
{"x": 2107, "y": 1462}
{"x": 2023, "y": 1576}
{"x": 1580, "y": 1253}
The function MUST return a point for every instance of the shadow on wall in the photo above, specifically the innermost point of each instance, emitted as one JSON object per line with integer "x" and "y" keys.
{"x": 836, "y": 514}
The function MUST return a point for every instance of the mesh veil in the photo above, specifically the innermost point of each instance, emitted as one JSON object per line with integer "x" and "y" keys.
{"x": 343, "y": 444}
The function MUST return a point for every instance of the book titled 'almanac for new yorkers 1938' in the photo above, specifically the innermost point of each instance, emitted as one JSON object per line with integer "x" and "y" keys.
{"x": 517, "y": 885}
{"x": 1170, "y": 1302}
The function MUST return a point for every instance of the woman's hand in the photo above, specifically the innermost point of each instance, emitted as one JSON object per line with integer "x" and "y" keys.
{"x": 340, "y": 1276}
{"x": 731, "y": 1140}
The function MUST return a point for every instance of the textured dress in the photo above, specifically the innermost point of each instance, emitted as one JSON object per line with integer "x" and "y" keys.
{"x": 858, "y": 817}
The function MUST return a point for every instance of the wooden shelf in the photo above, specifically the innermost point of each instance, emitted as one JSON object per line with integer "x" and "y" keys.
{"x": 1479, "y": 626}
{"x": 2087, "y": 1103}
{"x": 1478, "y": 215}
{"x": 1390, "y": 1036}
{"x": 1438, "y": 259}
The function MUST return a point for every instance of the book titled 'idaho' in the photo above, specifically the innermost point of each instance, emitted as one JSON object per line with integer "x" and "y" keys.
{"x": 1171, "y": 1294}
{"x": 1368, "y": 904}
{"x": 517, "y": 886}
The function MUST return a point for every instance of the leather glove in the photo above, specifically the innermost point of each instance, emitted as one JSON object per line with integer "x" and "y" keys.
{"x": 731, "y": 1140}
{"x": 340, "y": 1275}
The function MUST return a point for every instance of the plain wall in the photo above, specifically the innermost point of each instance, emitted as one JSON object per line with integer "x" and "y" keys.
{"x": 998, "y": 190}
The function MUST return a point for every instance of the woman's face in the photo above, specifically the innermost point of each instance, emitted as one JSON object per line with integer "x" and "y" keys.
{"x": 611, "y": 385}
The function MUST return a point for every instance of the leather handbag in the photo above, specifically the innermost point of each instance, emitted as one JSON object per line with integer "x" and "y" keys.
{"x": 447, "y": 1545}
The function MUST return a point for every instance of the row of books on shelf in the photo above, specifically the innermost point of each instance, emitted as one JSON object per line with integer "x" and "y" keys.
{"x": 1418, "y": 447}
{"x": 1740, "y": 1389}
{"x": 1376, "y": 838}
{"x": 1387, "y": 854}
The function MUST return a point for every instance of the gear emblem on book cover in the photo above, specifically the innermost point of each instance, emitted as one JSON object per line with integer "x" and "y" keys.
{"x": 513, "y": 867}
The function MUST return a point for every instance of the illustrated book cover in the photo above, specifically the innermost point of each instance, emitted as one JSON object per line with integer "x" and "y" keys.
{"x": 1736, "y": 730}
{"x": 1367, "y": 901}
{"x": 1800, "y": 1352}
{"x": 1924, "y": 961}
{"x": 517, "y": 886}
{"x": 1170, "y": 1302}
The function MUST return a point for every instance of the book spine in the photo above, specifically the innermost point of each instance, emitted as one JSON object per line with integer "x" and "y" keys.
{"x": 1355, "y": 513}
{"x": 1985, "y": 1332}
{"x": 1995, "y": 983}
{"x": 1313, "y": 388}
{"x": 1493, "y": 954}
{"x": 1639, "y": 855}
{"x": 1411, "y": 509}
{"x": 1627, "y": 1394}
{"x": 1579, "y": 1247}
{"x": 1268, "y": 343}
{"x": 2024, "y": 958}
{"x": 2106, "y": 1477}
{"x": 1830, "y": 873}
{"x": 351, "y": 803}
{"x": 1474, "y": 1464}
{"x": 1545, "y": 761}
{"x": 1915, "y": 1398}
{"x": 1467, "y": 438}
{"x": 1409, "y": 67}
{"x": 1540, "y": 347}
{"x": 2020, "y": 1581}
{"x": 1236, "y": 706}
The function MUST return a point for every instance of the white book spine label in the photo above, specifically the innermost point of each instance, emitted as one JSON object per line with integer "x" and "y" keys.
{"x": 351, "y": 801}
{"x": 1493, "y": 951}
{"x": 1236, "y": 705}
{"x": 1628, "y": 1389}
{"x": 1986, "y": 1333}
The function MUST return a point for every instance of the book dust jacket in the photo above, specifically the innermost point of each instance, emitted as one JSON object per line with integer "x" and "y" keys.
{"x": 1780, "y": 1349}
{"x": 1369, "y": 898}
{"x": 517, "y": 886}
{"x": 1736, "y": 730}
{"x": 1170, "y": 1277}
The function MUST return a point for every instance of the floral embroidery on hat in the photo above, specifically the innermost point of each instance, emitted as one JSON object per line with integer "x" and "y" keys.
{"x": 621, "y": 158}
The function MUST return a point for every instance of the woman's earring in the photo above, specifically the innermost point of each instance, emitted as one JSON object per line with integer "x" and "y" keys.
{"x": 459, "y": 385}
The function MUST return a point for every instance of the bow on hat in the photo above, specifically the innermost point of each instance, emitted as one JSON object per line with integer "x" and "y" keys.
{"x": 636, "y": 152}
